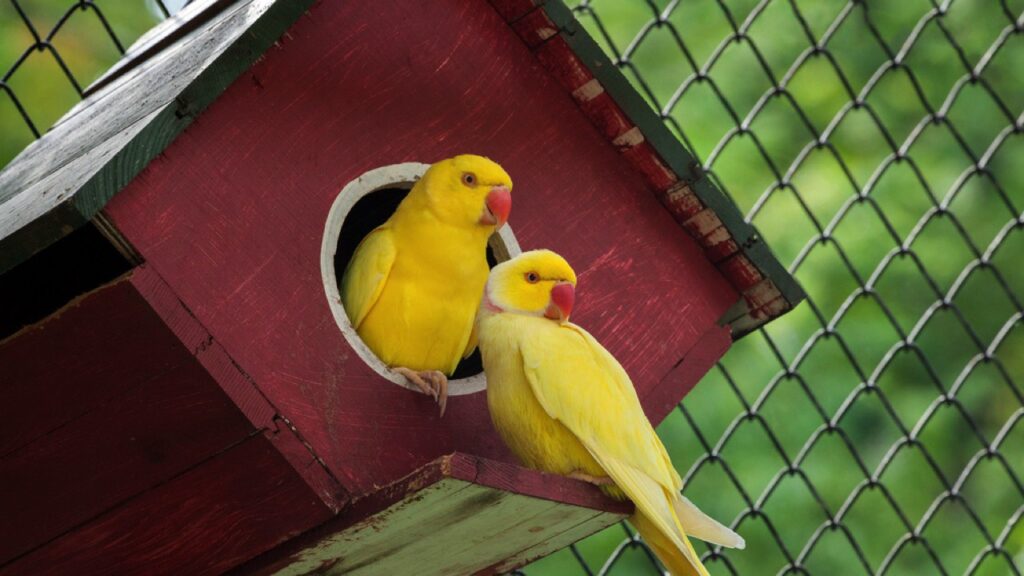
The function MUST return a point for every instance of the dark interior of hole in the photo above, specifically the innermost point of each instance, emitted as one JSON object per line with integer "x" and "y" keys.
{"x": 368, "y": 213}
{"x": 77, "y": 263}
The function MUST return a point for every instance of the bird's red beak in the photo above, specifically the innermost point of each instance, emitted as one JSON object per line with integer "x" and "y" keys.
{"x": 563, "y": 295}
{"x": 497, "y": 206}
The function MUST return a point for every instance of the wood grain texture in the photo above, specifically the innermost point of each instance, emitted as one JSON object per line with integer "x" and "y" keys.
{"x": 72, "y": 363}
{"x": 555, "y": 541}
{"x": 130, "y": 444}
{"x": 169, "y": 31}
{"x": 238, "y": 386}
{"x": 213, "y": 517}
{"x": 61, "y": 180}
{"x": 117, "y": 395}
{"x": 457, "y": 515}
{"x": 231, "y": 217}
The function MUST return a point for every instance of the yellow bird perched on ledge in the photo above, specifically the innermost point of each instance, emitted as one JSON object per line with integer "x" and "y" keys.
{"x": 413, "y": 285}
{"x": 563, "y": 404}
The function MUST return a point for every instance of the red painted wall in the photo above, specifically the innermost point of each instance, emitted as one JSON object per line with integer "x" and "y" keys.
{"x": 231, "y": 217}
{"x": 122, "y": 454}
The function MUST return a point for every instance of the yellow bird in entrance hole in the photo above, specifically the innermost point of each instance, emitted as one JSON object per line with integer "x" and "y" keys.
{"x": 563, "y": 404}
{"x": 414, "y": 283}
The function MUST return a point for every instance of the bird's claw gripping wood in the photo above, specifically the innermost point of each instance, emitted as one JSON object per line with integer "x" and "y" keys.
{"x": 430, "y": 382}
{"x": 595, "y": 480}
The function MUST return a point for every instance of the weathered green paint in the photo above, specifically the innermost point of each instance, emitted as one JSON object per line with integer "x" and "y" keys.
{"x": 452, "y": 520}
{"x": 453, "y": 527}
{"x": 555, "y": 531}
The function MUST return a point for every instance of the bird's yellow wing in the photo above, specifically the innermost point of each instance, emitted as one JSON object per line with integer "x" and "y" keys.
{"x": 583, "y": 386}
{"x": 367, "y": 273}
{"x": 472, "y": 342}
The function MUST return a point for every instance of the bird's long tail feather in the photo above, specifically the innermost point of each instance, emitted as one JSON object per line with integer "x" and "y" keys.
{"x": 665, "y": 549}
{"x": 664, "y": 518}
{"x": 699, "y": 525}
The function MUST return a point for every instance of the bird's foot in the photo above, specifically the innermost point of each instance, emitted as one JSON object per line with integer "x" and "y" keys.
{"x": 430, "y": 382}
{"x": 595, "y": 480}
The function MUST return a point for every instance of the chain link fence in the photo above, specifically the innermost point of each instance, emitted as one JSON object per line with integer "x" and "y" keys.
{"x": 50, "y": 50}
{"x": 877, "y": 145}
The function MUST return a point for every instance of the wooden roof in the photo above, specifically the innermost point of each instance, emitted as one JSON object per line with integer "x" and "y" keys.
{"x": 170, "y": 75}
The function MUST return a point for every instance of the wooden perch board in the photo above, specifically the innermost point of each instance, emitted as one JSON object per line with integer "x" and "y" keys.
{"x": 457, "y": 515}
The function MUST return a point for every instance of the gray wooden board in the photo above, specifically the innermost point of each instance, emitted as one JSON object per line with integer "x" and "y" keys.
{"x": 189, "y": 18}
{"x": 63, "y": 179}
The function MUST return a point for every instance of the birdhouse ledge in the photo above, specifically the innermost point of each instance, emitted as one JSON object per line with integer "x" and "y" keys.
{"x": 459, "y": 514}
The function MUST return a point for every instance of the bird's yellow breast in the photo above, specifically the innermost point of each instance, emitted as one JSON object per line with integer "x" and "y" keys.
{"x": 424, "y": 315}
{"x": 538, "y": 440}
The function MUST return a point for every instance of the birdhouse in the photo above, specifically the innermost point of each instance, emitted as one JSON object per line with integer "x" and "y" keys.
{"x": 183, "y": 392}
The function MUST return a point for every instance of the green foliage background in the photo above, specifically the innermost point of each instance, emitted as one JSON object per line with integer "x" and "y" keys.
{"x": 879, "y": 245}
{"x": 38, "y": 82}
{"x": 872, "y": 345}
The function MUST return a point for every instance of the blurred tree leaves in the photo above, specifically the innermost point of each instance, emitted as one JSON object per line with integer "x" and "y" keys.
{"x": 895, "y": 194}
{"x": 58, "y": 31}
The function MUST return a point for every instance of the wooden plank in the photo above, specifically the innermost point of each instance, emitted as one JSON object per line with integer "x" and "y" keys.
{"x": 555, "y": 539}
{"x": 121, "y": 395}
{"x": 237, "y": 385}
{"x": 234, "y": 224}
{"x": 205, "y": 521}
{"x": 510, "y": 477}
{"x": 123, "y": 447}
{"x": 449, "y": 517}
{"x": 97, "y": 348}
{"x": 171, "y": 30}
{"x": 198, "y": 341}
{"x": 61, "y": 180}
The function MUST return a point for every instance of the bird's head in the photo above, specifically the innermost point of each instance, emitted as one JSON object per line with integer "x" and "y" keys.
{"x": 535, "y": 283}
{"x": 467, "y": 190}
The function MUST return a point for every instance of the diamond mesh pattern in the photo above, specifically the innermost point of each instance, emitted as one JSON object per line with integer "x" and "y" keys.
{"x": 877, "y": 146}
{"x": 50, "y": 50}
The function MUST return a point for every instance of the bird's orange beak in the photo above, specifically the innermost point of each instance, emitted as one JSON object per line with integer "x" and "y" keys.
{"x": 497, "y": 206}
{"x": 563, "y": 295}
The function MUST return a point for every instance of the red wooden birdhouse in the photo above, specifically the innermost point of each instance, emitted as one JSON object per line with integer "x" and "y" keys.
{"x": 182, "y": 393}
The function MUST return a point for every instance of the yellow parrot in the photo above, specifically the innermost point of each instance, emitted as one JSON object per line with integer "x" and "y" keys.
{"x": 412, "y": 288}
{"x": 564, "y": 405}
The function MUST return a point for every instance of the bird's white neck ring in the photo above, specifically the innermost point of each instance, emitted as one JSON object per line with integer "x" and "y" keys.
{"x": 489, "y": 305}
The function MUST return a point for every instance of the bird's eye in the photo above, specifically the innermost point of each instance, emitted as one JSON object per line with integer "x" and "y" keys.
{"x": 532, "y": 277}
{"x": 469, "y": 179}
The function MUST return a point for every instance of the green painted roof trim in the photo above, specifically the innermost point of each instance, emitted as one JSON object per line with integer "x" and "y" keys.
{"x": 671, "y": 150}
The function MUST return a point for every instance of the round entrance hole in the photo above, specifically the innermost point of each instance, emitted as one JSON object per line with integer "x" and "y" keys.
{"x": 362, "y": 205}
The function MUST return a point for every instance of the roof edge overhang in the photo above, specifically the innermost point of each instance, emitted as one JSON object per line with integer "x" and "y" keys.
{"x": 621, "y": 114}
{"x": 61, "y": 181}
